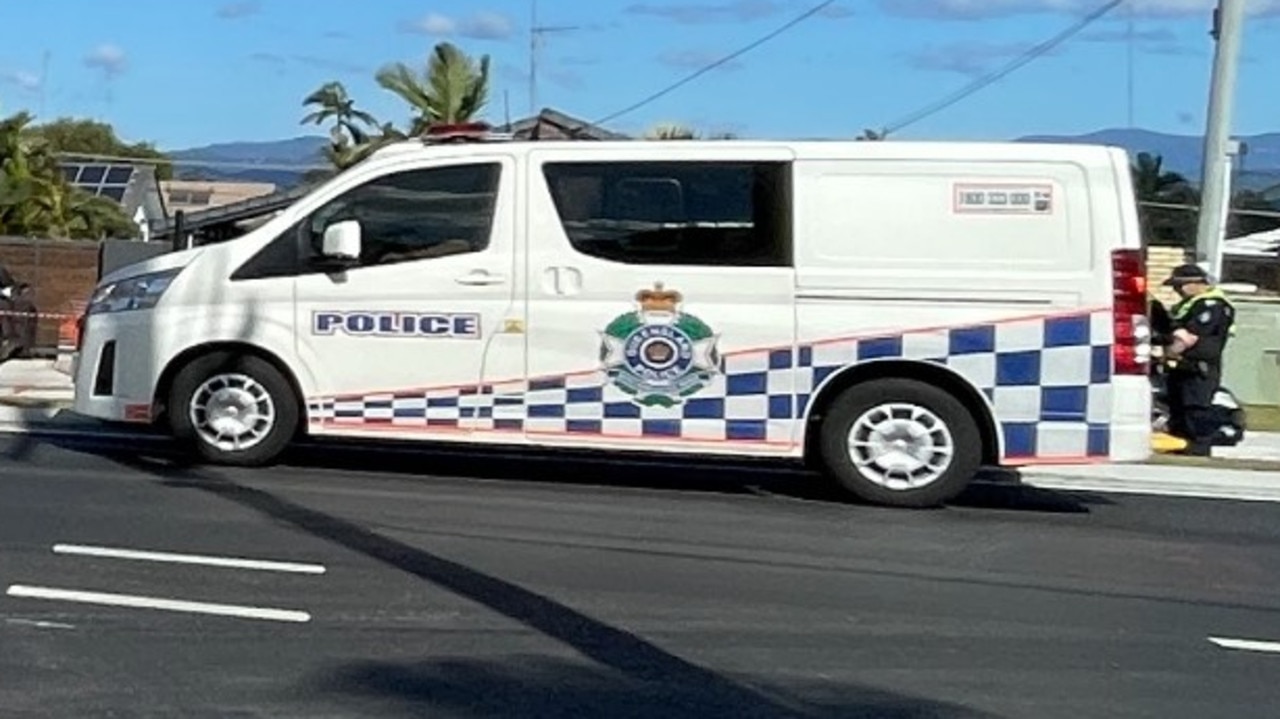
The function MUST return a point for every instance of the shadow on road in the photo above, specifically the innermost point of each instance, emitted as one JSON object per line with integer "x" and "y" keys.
{"x": 532, "y": 686}
{"x": 997, "y": 490}
{"x": 634, "y": 676}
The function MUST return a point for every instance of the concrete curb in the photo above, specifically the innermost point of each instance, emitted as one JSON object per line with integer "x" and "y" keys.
{"x": 55, "y": 419}
{"x": 1162, "y": 480}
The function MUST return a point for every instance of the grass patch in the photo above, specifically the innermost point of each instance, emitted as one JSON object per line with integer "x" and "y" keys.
{"x": 1251, "y": 465}
{"x": 1262, "y": 417}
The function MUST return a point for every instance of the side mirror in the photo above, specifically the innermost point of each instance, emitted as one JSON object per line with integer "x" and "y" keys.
{"x": 342, "y": 241}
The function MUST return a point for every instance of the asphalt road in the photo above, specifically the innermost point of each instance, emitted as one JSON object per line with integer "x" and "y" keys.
{"x": 432, "y": 584}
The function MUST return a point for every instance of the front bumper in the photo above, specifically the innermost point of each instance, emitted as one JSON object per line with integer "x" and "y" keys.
{"x": 115, "y": 368}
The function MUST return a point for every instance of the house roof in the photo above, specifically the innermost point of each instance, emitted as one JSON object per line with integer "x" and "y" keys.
{"x": 249, "y": 209}
{"x": 201, "y": 195}
{"x": 130, "y": 186}
{"x": 556, "y": 125}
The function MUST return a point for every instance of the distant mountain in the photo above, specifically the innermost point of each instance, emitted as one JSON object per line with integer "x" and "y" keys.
{"x": 274, "y": 156}
{"x": 1182, "y": 153}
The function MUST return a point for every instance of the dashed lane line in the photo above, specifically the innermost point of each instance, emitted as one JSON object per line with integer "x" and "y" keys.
{"x": 174, "y": 558}
{"x": 1247, "y": 645}
{"x": 158, "y": 603}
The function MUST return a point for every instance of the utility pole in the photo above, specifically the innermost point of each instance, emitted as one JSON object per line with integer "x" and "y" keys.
{"x": 1228, "y": 27}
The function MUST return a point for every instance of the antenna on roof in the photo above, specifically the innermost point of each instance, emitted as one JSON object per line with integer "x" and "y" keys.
{"x": 44, "y": 82}
{"x": 536, "y": 32}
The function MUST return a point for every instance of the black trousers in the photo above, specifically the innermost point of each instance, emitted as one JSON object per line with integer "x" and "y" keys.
{"x": 1191, "y": 414}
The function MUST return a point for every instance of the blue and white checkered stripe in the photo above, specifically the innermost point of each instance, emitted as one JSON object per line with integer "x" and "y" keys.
{"x": 1047, "y": 378}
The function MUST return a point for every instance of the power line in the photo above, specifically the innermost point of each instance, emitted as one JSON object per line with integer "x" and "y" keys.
{"x": 722, "y": 61}
{"x": 1032, "y": 54}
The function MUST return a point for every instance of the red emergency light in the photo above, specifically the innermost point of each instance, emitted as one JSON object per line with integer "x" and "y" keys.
{"x": 460, "y": 132}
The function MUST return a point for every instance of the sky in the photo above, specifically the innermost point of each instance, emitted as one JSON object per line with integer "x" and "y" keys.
{"x": 187, "y": 73}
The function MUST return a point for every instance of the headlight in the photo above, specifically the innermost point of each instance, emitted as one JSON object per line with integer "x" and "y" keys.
{"x": 132, "y": 293}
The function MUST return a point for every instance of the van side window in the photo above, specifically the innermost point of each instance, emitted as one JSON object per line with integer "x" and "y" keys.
{"x": 676, "y": 213}
{"x": 416, "y": 214}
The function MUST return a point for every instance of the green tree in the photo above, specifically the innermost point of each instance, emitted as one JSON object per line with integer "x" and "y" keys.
{"x": 332, "y": 101}
{"x": 1153, "y": 184}
{"x": 677, "y": 131}
{"x": 1242, "y": 225}
{"x": 671, "y": 131}
{"x": 355, "y": 133}
{"x": 90, "y": 137}
{"x": 35, "y": 199}
{"x": 453, "y": 89}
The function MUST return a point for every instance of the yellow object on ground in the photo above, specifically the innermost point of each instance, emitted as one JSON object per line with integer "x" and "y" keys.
{"x": 1161, "y": 442}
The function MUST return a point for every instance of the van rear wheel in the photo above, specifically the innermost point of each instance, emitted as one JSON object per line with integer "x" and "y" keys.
{"x": 233, "y": 409}
{"x": 899, "y": 442}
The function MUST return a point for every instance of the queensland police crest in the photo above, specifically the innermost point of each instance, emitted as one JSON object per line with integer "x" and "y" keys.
{"x": 657, "y": 353}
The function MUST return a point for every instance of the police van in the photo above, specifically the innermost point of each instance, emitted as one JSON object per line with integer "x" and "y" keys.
{"x": 898, "y": 314}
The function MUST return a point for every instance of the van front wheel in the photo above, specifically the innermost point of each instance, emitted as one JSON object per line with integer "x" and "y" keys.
{"x": 900, "y": 442}
{"x": 233, "y": 409}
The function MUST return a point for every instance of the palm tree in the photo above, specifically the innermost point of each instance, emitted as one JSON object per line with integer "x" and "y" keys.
{"x": 332, "y": 101}
{"x": 671, "y": 131}
{"x": 454, "y": 88}
{"x": 354, "y": 135}
{"x": 1151, "y": 181}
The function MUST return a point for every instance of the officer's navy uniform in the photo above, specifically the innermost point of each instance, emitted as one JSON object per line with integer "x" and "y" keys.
{"x": 1196, "y": 375}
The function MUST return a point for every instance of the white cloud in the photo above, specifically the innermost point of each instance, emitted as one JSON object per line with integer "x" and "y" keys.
{"x": 480, "y": 26}
{"x": 28, "y": 81}
{"x": 433, "y": 24}
{"x": 985, "y": 9}
{"x": 238, "y": 10}
{"x": 970, "y": 58}
{"x": 108, "y": 58}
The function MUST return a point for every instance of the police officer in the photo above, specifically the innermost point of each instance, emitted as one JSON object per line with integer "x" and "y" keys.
{"x": 1201, "y": 322}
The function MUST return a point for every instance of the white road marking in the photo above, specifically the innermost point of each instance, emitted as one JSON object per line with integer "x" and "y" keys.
{"x": 38, "y": 624}
{"x": 231, "y": 562}
{"x": 1248, "y": 645}
{"x": 170, "y": 605}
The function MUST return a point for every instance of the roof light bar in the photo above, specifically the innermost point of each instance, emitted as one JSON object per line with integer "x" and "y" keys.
{"x": 463, "y": 132}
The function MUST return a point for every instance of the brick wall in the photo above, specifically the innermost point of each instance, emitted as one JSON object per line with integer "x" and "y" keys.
{"x": 1160, "y": 261}
{"x": 62, "y": 272}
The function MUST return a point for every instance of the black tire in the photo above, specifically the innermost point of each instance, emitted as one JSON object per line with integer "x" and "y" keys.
{"x": 282, "y": 397}
{"x": 955, "y": 417}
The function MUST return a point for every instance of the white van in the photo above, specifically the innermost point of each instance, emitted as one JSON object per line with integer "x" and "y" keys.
{"x": 897, "y": 313}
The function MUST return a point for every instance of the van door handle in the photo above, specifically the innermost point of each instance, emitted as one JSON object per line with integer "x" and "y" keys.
{"x": 480, "y": 277}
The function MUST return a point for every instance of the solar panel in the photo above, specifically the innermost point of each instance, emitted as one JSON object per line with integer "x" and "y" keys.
{"x": 104, "y": 180}
{"x": 91, "y": 175}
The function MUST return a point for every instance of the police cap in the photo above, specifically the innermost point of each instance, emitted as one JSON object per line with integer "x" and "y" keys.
{"x": 1186, "y": 274}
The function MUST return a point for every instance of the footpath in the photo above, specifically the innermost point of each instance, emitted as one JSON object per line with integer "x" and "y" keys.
{"x": 36, "y": 397}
